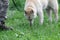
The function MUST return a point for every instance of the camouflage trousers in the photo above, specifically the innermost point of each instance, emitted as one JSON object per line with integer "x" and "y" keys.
{"x": 3, "y": 9}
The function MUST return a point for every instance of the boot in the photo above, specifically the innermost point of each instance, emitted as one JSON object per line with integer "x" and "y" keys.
{"x": 3, "y": 27}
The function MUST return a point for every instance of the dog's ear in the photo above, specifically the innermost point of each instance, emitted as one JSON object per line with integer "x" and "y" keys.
{"x": 25, "y": 12}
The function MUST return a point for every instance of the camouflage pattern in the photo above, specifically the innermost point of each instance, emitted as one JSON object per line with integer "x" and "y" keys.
{"x": 3, "y": 9}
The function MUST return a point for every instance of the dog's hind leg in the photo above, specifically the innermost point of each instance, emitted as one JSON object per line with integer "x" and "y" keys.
{"x": 54, "y": 5}
{"x": 55, "y": 10}
{"x": 56, "y": 14}
{"x": 49, "y": 13}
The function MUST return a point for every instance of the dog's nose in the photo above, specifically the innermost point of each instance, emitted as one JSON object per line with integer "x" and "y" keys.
{"x": 30, "y": 19}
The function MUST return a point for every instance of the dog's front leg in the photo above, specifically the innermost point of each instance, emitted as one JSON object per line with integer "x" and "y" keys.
{"x": 41, "y": 16}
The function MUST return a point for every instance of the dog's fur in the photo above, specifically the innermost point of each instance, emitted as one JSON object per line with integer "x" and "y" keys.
{"x": 34, "y": 7}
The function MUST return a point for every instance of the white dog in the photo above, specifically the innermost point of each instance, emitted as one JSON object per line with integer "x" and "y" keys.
{"x": 34, "y": 7}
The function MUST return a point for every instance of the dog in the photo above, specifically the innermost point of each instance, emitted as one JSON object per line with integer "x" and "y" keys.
{"x": 34, "y": 7}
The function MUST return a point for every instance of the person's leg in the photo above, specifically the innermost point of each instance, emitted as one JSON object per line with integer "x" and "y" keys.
{"x": 3, "y": 11}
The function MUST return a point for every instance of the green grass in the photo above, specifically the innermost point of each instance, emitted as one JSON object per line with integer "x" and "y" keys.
{"x": 22, "y": 30}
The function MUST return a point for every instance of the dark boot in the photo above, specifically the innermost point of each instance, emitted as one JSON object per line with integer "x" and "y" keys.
{"x": 3, "y": 27}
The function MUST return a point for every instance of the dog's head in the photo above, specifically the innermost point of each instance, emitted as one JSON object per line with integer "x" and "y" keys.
{"x": 29, "y": 13}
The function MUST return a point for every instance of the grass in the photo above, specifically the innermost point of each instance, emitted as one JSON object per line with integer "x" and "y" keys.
{"x": 22, "y": 30}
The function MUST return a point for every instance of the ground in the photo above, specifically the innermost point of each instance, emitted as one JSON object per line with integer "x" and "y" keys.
{"x": 22, "y": 30}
